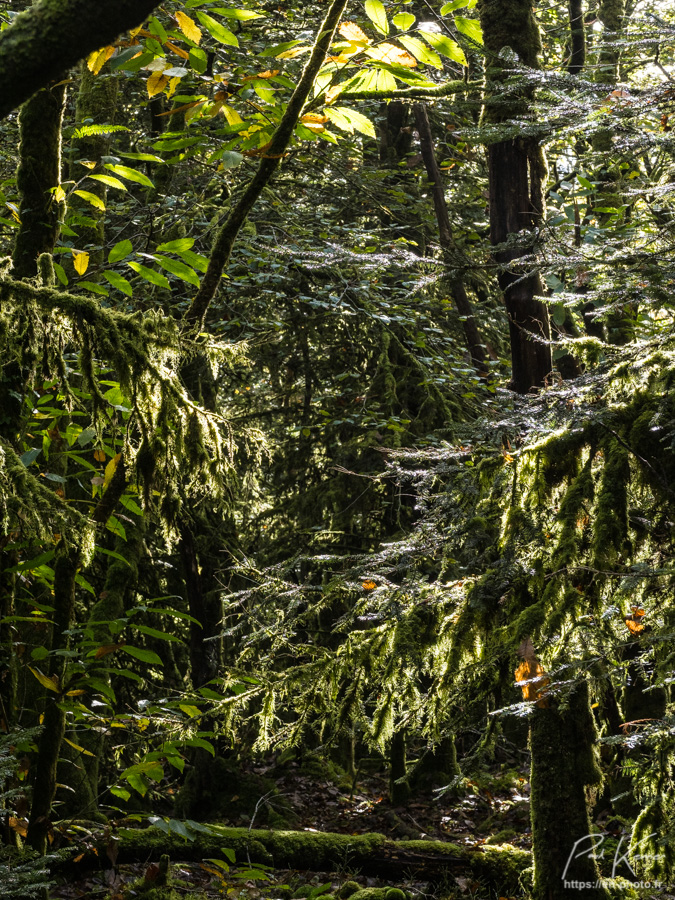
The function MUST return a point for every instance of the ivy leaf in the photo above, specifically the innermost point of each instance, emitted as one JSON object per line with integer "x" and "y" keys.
{"x": 150, "y": 275}
{"x": 217, "y": 31}
{"x": 378, "y": 16}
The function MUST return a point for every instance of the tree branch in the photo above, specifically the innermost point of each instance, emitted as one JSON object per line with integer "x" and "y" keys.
{"x": 46, "y": 40}
{"x": 268, "y": 165}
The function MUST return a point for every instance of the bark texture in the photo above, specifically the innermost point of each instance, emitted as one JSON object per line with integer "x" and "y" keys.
{"x": 456, "y": 284}
{"x": 50, "y": 37}
{"x": 563, "y": 766}
{"x": 516, "y": 171}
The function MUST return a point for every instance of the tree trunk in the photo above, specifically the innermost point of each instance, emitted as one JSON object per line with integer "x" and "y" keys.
{"x": 457, "y": 288}
{"x": 563, "y": 765}
{"x": 516, "y": 170}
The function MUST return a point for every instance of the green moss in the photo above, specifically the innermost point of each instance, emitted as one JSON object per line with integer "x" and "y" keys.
{"x": 347, "y": 889}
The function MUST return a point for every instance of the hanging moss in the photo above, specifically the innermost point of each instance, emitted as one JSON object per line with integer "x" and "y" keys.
{"x": 611, "y": 508}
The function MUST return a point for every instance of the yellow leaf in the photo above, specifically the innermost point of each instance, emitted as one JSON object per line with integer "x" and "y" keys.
{"x": 59, "y": 194}
{"x": 77, "y": 747}
{"x": 188, "y": 27}
{"x": 52, "y": 684}
{"x": 87, "y": 163}
{"x": 99, "y": 455}
{"x": 97, "y": 59}
{"x": 352, "y": 32}
{"x": 173, "y": 84}
{"x": 232, "y": 116}
{"x": 110, "y": 470}
{"x": 313, "y": 118}
{"x": 393, "y": 55}
{"x": 80, "y": 261}
{"x": 156, "y": 83}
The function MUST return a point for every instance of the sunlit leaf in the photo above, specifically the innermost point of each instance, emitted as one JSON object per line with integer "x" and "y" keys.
{"x": 470, "y": 28}
{"x": 93, "y": 199}
{"x": 188, "y": 26}
{"x": 352, "y": 32}
{"x": 97, "y": 59}
{"x": 156, "y": 83}
{"x": 420, "y": 51}
{"x": 218, "y": 31}
{"x": 130, "y": 174}
{"x": 150, "y": 275}
{"x": 52, "y": 684}
{"x": 80, "y": 261}
{"x": 446, "y": 46}
{"x": 378, "y": 16}
{"x": 403, "y": 21}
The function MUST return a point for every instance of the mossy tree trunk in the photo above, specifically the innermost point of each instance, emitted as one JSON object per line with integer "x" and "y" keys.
{"x": 43, "y": 42}
{"x": 562, "y": 742}
{"x": 38, "y": 174}
{"x": 516, "y": 171}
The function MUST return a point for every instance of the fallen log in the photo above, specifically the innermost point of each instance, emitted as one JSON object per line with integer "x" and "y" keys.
{"x": 370, "y": 854}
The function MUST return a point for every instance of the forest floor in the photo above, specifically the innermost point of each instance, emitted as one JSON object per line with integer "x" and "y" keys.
{"x": 491, "y": 807}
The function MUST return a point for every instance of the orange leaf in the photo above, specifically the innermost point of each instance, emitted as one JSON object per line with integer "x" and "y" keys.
{"x": 18, "y": 825}
{"x": 352, "y": 32}
{"x": 99, "y": 455}
{"x": 106, "y": 649}
{"x": 395, "y": 56}
{"x": 369, "y": 585}
{"x": 177, "y": 50}
{"x": 533, "y": 680}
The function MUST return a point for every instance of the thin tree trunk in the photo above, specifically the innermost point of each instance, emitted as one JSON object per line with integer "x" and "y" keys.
{"x": 577, "y": 37}
{"x": 457, "y": 288}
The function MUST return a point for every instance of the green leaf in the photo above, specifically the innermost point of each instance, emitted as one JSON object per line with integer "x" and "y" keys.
{"x": 179, "y": 269}
{"x": 91, "y": 198}
{"x": 83, "y": 583}
{"x": 116, "y": 527}
{"x": 177, "y": 246}
{"x": 358, "y": 121}
{"x": 159, "y": 635}
{"x": 30, "y": 456}
{"x": 470, "y": 28}
{"x": 217, "y": 31}
{"x": 148, "y": 656}
{"x": 119, "y": 251}
{"x": 120, "y": 792}
{"x": 446, "y": 46}
{"x": 150, "y": 275}
{"x": 61, "y": 274}
{"x": 456, "y": 4}
{"x": 119, "y": 281}
{"x": 112, "y": 553}
{"x": 403, "y": 21}
{"x": 244, "y": 15}
{"x": 196, "y": 260}
{"x": 86, "y": 437}
{"x": 420, "y": 51}
{"x": 584, "y": 182}
{"x": 93, "y": 287}
{"x": 130, "y": 174}
{"x": 110, "y": 181}
{"x": 231, "y": 159}
{"x": 198, "y": 60}
{"x": 378, "y": 16}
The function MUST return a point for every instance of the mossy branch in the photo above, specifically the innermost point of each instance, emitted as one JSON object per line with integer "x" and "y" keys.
{"x": 268, "y": 165}
{"x": 50, "y": 37}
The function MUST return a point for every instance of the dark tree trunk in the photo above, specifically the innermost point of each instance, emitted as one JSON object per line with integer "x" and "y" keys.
{"x": 457, "y": 289}
{"x": 38, "y": 174}
{"x": 511, "y": 165}
{"x": 577, "y": 38}
{"x": 563, "y": 765}
{"x": 516, "y": 172}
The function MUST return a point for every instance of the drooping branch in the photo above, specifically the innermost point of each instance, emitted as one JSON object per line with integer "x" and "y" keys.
{"x": 457, "y": 288}
{"x": 268, "y": 166}
{"x": 50, "y": 37}
{"x": 420, "y": 92}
